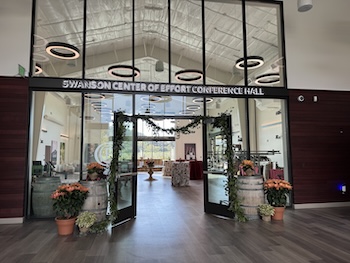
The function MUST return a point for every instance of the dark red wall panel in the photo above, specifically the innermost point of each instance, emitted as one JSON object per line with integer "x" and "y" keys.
{"x": 13, "y": 145}
{"x": 320, "y": 143}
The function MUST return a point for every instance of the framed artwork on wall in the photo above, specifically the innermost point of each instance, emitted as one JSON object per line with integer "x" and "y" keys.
{"x": 190, "y": 151}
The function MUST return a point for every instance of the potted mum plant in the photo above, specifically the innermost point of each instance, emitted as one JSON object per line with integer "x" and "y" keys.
{"x": 85, "y": 220}
{"x": 95, "y": 171}
{"x": 276, "y": 191}
{"x": 247, "y": 167}
{"x": 266, "y": 211}
{"x": 68, "y": 200}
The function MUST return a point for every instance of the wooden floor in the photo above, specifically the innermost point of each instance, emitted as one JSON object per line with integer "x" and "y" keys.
{"x": 171, "y": 227}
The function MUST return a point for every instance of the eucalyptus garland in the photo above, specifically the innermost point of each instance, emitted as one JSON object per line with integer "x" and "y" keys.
{"x": 118, "y": 137}
{"x": 231, "y": 186}
{"x": 184, "y": 130}
{"x": 219, "y": 122}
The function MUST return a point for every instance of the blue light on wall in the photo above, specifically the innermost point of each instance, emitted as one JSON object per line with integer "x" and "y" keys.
{"x": 342, "y": 188}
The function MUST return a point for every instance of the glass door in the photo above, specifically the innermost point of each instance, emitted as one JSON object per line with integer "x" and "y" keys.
{"x": 126, "y": 183}
{"x": 215, "y": 178}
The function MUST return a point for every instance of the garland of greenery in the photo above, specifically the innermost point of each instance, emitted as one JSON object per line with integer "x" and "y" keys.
{"x": 219, "y": 122}
{"x": 231, "y": 186}
{"x": 100, "y": 227}
{"x": 184, "y": 130}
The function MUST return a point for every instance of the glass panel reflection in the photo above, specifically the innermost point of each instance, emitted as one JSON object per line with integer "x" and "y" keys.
{"x": 124, "y": 192}
{"x": 216, "y": 189}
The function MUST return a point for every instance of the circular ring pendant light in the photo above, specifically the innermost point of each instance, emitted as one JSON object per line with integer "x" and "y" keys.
{"x": 268, "y": 79}
{"x": 193, "y": 107}
{"x": 188, "y": 75}
{"x": 94, "y": 96}
{"x": 201, "y": 100}
{"x": 117, "y": 71}
{"x": 62, "y": 50}
{"x": 253, "y": 62}
{"x": 38, "y": 69}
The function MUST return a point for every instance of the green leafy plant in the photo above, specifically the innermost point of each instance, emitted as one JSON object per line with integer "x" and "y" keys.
{"x": 266, "y": 210}
{"x": 276, "y": 191}
{"x": 231, "y": 188}
{"x": 86, "y": 219}
{"x": 68, "y": 200}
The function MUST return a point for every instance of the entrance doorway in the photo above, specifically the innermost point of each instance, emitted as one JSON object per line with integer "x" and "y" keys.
{"x": 83, "y": 134}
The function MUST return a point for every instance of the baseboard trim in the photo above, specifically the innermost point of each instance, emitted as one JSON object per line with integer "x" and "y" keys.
{"x": 13, "y": 220}
{"x": 321, "y": 205}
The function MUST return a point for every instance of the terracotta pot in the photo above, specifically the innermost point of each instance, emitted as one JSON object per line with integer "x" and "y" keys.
{"x": 279, "y": 212}
{"x": 65, "y": 227}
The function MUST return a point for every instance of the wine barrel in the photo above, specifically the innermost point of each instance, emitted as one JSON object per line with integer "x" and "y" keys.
{"x": 97, "y": 198}
{"x": 42, "y": 203}
{"x": 251, "y": 194}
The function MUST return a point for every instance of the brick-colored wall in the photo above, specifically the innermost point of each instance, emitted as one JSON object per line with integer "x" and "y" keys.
{"x": 13, "y": 145}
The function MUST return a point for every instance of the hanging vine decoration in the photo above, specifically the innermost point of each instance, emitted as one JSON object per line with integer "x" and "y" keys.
{"x": 113, "y": 175}
{"x": 220, "y": 122}
{"x": 184, "y": 130}
{"x": 231, "y": 186}
{"x": 118, "y": 137}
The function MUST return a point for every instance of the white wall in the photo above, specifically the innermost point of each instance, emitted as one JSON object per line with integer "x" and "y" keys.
{"x": 318, "y": 44}
{"x": 195, "y": 137}
{"x": 15, "y": 29}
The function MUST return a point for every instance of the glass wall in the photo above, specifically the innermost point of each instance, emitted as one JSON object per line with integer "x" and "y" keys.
{"x": 152, "y": 41}
{"x": 109, "y": 40}
{"x": 265, "y": 60}
{"x": 268, "y": 137}
{"x": 224, "y": 45}
{"x": 58, "y": 39}
{"x": 98, "y": 129}
{"x": 56, "y": 134}
{"x": 131, "y": 43}
{"x": 186, "y": 42}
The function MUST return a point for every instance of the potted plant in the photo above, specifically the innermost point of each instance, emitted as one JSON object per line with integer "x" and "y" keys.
{"x": 68, "y": 200}
{"x": 150, "y": 164}
{"x": 266, "y": 211}
{"x": 95, "y": 172}
{"x": 247, "y": 167}
{"x": 276, "y": 191}
{"x": 85, "y": 220}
